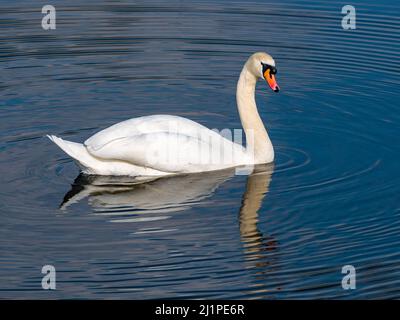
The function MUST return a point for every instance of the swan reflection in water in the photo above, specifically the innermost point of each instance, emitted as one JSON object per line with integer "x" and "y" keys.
{"x": 257, "y": 247}
{"x": 147, "y": 195}
{"x": 116, "y": 196}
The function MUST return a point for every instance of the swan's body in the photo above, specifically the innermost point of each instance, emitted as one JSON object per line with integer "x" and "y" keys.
{"x": 164, "y": 144}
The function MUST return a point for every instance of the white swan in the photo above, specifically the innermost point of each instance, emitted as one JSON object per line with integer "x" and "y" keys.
{"x": 164, "y": 144}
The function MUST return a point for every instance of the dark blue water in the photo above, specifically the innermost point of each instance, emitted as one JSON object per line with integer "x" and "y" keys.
{"x": 330, "y": 199}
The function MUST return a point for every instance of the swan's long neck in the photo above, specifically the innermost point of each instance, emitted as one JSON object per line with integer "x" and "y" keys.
{"x": 257, "y": 138}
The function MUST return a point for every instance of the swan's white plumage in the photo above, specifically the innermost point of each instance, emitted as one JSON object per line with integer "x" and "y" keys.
{"x": 165, "y": 144}
{"x": 147, "y": 146}
{"x": 92, "y": 165}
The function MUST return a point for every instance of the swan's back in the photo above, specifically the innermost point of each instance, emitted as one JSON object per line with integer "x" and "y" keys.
{"x": 143, "y": 125}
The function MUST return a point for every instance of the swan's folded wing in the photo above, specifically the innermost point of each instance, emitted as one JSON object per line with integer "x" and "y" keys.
{"x": 144, "y": 125}
{"x": 168, "y": 152}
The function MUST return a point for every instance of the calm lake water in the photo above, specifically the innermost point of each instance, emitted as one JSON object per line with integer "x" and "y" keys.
{"x": 330, "y": 199}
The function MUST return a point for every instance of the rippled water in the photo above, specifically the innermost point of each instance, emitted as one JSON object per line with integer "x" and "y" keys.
{"x": 330, "y": 199}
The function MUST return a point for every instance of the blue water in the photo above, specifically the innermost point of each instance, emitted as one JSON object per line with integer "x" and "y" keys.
{"x": 330, "y": 199}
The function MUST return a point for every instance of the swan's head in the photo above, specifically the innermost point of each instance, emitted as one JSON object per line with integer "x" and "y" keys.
{"x": 262, "y": 66}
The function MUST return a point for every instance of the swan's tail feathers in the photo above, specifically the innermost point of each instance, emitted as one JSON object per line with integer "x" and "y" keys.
{"x": 77, "y": 151}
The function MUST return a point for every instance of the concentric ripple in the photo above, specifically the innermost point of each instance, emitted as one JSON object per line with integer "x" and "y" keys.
{"x": 329, "y": 200}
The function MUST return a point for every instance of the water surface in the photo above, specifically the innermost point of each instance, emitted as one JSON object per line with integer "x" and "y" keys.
{"x": 330, "y": 199}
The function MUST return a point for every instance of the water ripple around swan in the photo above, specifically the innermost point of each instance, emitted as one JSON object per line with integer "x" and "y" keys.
{"x": 330, "y": 199}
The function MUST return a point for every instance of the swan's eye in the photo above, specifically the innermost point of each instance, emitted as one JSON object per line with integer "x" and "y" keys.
{"x": 267, "y": 66}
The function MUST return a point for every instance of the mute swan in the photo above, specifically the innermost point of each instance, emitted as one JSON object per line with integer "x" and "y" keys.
{"x": 164, "y": 144}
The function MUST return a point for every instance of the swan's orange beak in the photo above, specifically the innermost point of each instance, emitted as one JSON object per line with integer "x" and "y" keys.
{"x": 270, "y": 78}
